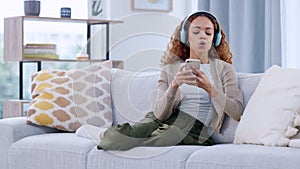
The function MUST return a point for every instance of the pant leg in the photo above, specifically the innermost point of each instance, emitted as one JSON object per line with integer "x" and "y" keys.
{"x": 196, "y": 132}
{"x": 182, "y": 120}
{"x": 180, "y": 128}
{"x": 198, "y": 135}
{"x": 166, "y": 135}
{"x": 146, "y": 126}
{"x": 126, "y": 136}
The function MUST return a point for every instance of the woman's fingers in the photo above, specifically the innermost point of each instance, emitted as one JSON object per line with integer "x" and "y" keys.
{"x": 186, "y": 76}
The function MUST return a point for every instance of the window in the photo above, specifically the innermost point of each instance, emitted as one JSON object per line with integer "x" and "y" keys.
{"x": 290, "y": 33}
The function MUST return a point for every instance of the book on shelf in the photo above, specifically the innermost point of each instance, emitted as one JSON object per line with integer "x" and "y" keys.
{"x": 41, "y": 56}
{"x": 39, "y": 51}
{"x": 40, "y": 46}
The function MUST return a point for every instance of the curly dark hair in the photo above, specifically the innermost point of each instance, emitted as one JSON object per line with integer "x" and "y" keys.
{"x": 178, "y": 50}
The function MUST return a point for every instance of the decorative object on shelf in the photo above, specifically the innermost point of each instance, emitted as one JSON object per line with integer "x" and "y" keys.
{"x": 32, "y": 7}
{"x": 82, "y": 56}
{"x": 152, "y": 5}
{"x": 97, "y": 9}
{"x": 65, "y": 12}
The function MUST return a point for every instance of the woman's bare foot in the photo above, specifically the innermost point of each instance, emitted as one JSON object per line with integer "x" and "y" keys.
{"x": 102, "y": 135}
{"x": 91, "y": 132}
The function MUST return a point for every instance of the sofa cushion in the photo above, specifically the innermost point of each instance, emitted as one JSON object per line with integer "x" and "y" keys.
{"x": 49, "y": 151}
{"x": 173, "y": 157}
{"x": 131, "y": 94}
{"x": 231, "y": 156}
{"x": 272, "y": 114}
{"x": 67, "y": 99}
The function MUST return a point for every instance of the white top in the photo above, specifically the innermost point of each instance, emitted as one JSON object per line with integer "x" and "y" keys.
{"x": 196, "y": 101}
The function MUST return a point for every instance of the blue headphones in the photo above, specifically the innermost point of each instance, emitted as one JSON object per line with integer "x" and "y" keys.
{"x": 184, "y": 32}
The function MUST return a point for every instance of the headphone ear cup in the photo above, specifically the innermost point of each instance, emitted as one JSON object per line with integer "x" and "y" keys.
{"x": 183, "y": 36}
{"x": 218, "y": 39}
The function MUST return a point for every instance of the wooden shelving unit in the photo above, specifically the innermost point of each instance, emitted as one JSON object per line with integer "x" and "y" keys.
{"x": 14, "y": 49}
{"x": 14, "y": 33}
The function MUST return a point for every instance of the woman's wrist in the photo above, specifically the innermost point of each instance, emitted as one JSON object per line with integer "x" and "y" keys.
{"x": 174, "y": 84}
{"x": 212, "y": 91}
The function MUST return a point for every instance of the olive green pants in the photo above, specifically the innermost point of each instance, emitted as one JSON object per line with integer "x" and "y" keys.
{"x": 179, "y": 129}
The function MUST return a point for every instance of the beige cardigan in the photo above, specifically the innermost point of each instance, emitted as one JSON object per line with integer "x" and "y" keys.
{"x": 229, "y": 99}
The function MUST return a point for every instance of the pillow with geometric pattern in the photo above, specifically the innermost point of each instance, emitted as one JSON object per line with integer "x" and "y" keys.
{"x": 65, "y": 100}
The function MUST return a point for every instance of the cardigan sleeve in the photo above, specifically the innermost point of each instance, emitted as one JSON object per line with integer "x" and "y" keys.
{"x": 167, "y": 98}
{"x": 230, "y": 100}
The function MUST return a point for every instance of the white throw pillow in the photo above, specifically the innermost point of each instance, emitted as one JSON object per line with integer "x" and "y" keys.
{"x": 272, "y": 115}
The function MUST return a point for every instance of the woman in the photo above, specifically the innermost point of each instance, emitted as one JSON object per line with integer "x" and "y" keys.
{"x": 191, "y": 103}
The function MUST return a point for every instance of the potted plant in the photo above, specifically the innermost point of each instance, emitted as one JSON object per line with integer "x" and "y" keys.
{"x": 82, "y": 54}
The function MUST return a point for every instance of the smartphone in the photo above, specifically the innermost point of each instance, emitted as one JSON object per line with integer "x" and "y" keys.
{"x": 189, "y": 63}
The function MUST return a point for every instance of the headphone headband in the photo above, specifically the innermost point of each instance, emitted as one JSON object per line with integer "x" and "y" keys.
{"x": 184, "y": 32}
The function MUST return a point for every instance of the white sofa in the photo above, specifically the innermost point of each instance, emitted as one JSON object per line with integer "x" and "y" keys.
{"x": 34, "y": 147}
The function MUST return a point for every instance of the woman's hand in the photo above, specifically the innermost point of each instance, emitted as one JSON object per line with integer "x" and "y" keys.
{"x": 184, "y": 76}
{"x": 203, "y": 82}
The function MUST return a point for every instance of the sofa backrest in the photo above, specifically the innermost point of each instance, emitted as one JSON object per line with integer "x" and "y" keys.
{"x": 248, "y": 83}
{"x": 132, "y": 95}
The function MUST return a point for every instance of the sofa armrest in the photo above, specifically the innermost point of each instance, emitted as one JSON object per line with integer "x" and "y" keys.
{"x": 14, "y": 129}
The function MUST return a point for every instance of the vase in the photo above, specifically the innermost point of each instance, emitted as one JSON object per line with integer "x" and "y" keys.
{"x": 32, "y": 8}
{"x": 65, "y": 12}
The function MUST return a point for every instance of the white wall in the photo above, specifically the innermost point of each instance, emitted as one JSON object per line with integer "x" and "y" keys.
{"x": 143, "y": 36}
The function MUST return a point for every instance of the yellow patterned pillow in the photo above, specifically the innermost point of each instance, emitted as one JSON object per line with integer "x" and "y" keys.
{"x": 68, "y": 99}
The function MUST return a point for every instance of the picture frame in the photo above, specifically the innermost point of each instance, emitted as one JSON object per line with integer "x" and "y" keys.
{"x": 98, "y": 9}
{"x": 152, "y": 5}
